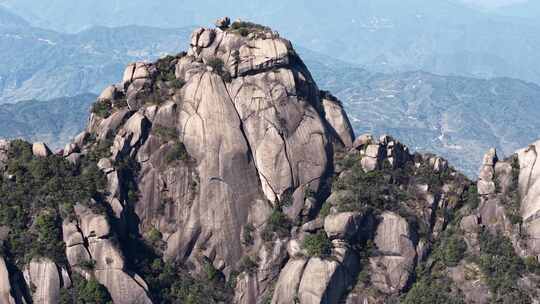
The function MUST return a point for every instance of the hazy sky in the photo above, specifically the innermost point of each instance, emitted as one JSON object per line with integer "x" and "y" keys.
{"x": 493, "y": 3}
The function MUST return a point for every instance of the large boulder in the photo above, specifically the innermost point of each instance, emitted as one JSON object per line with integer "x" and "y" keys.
{"x": 486, "y": 184}
{"x": 87, "y": 240}
{"x": 40, "y": 149}
{"x": 43, "y": 275}
{"x": 392, "y": 267}
{"x": 317, "y": 280}
{"x": 343, "y": 225}
{"x": 337, "y": 119}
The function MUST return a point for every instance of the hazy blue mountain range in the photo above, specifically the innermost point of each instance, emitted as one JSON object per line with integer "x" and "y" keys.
{"x": 456, "y": 117}
{"x": 43, "y": 64}
{"x": 443, "y": 37}
{"x": 54, "y": 121}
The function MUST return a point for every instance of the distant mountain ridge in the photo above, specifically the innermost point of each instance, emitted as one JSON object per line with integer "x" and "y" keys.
{"x": 456, "y": 117}
{"x": 54, "y": 121}
{"x": 54, "y": 65}
{"x": 444, "y": 37}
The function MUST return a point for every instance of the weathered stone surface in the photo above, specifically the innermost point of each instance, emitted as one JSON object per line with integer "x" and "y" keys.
{"x": 70, "y": 148}
{"x": 91, "y": 224}
{"x": 142, "y": 70}
{"x": 485, "y": 187}
{"x": 4, "y": 149}
{"x": 74, "y": 158}
{"x": 314, "y": 225}
{"x": 316, "y": 280}
{"x": 529, "y": 190}
{"x": 322, "y": 282}
{"x": 486, "y": 184}
{"x": 137, "y": 93}
{"x": 374, "y": 150}
{"x": 105, "y": 165}
{"x": 438, "y": 164}
{"x": 343, "y": 225}
{"x": 490, "y": 158}
{"x": 469, "y": 223}
{"x": 362, "y": 140}
{"x": 206, "y": 38}
{"x": 109, "y": 93}
{"x": 337, "y": 119}
{"x": 5, "y": 285}
{"x": 41, "y": 150}
{"x": 338, "y": 196}
{"x": 87, "y": 240}
{"x": 467, "y": 277}
{"x": 393, "y": 266}
{"x": 43, "y": 274}
{"x": 289, "y": 281}
{"x": 123, "y": 288}
{"x": 110, "y": 125}
{"x": 136, "y": 126}
{"x": 128, "y": 74}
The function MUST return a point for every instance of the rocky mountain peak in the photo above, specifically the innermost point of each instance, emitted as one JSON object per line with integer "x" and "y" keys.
{"x": 224, "y": 175}
{"x": 224, "y": 135}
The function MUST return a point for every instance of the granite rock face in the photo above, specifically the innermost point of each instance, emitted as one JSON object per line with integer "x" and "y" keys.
{"x": 5, "y": 285}
{"x": 253, "y": 131}
{"x": 393, "y": 267}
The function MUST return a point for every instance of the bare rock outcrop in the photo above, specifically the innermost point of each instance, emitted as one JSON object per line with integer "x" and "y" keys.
{"x": 41, "y": 150}
{"x": 384, "y": 152}
{"x": 4, "y": 150}
{"x": 88, "y": 243}
{"x": 336, "y": 117}
{"x": 392, "y": 266}
{"x": 529, "y": 192}
{"x": 486, "y": 185}
{"x": 43, "y": 277}
{"x": 316, "y": 280}
{"x": 221, "y": 135}
{"x": 5, "y": 285}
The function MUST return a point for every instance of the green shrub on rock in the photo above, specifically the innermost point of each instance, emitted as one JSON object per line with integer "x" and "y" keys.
{"x": 431, "y": 292}
{"x": 177, "y": 152}
{"x": 84, "y": 292}
{"x": 502, "y": 268}
{"x": 453, "y": 250}
{"x": 102, "y": 108}
{"x": 317, "y": 245}
{"x": 278, "y": 223}
{"x": 42, "y": 194}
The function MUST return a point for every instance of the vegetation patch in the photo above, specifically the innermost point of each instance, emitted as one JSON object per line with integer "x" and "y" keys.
{"x": 247, "y": 235}
{"x": 317, "y": 245}
{"x": 41, "y": 193}
{"x": 244, "y": 28}
{"x": 177, "y": 152}
{"x": 166, "y": 67}
{"x": 84, "y": 292}
{"x": 165, "y": 133}
{"x": 248, "y": 265}
{"x": 512, "y": 200}
{"x": 277, "y": 224}
{"x": 429, "y": 291}
{"x": 218, "y": 66}
{"x": 102, "y": 108}
{"x": 502, "y": 268}
{"x": 451, "y": 250}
